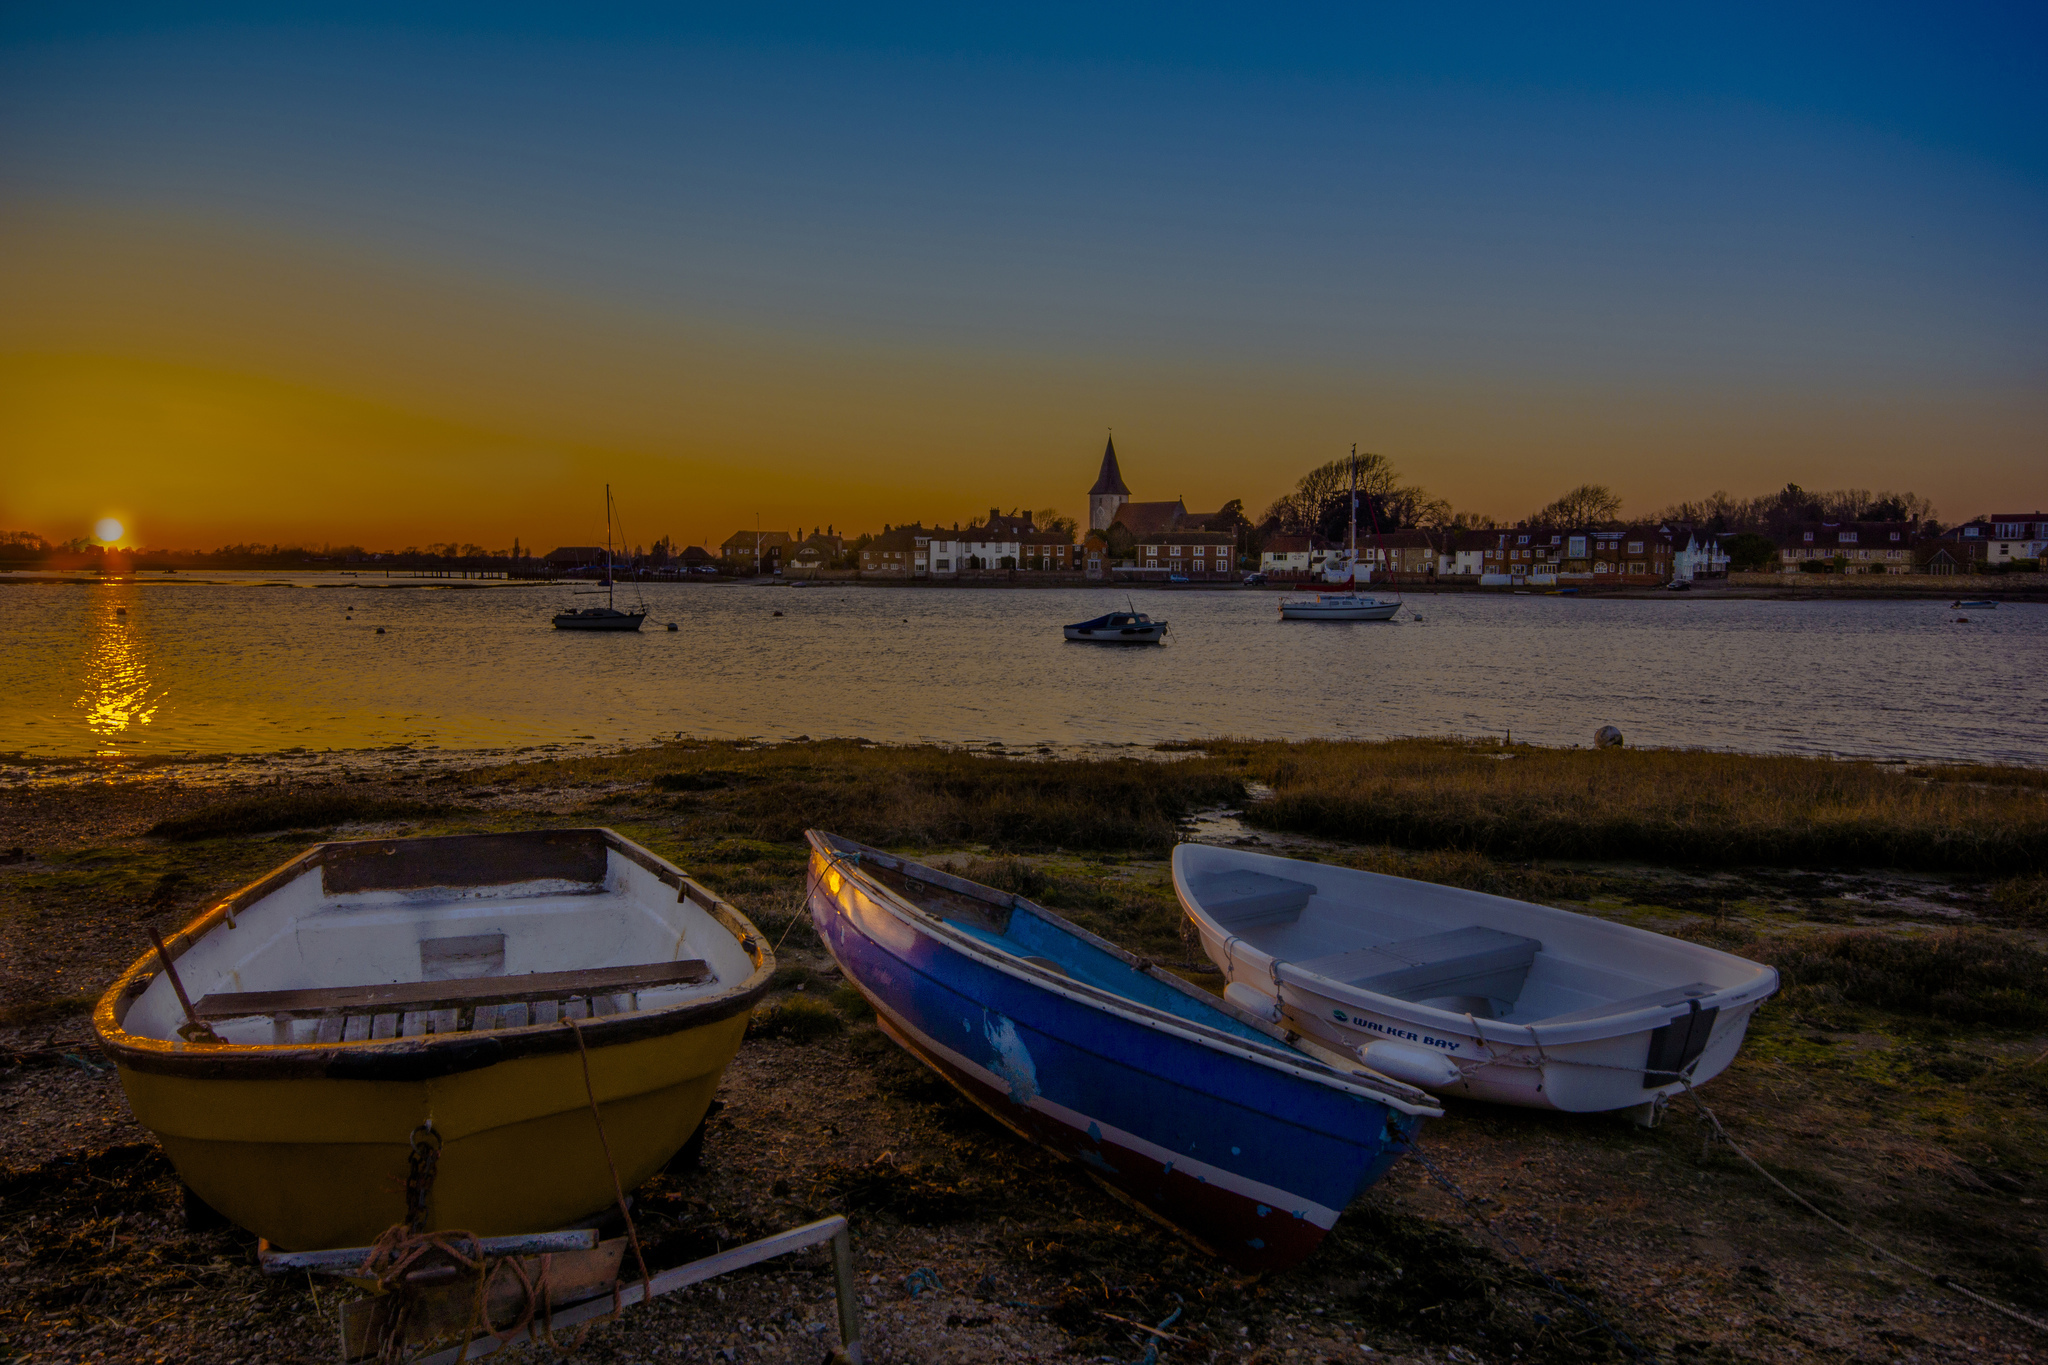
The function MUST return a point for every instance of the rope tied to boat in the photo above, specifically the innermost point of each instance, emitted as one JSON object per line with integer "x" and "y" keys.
{"x": 618, "y": 1186}
{"x": 1716, "y": 1133}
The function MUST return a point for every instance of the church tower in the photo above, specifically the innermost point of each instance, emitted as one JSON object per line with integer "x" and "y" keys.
{"x": 1109, "y": 492}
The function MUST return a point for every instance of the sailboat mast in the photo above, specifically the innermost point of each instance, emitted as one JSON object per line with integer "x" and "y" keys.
{"x": 1354, "y": 502}
{"x": 608, "y": 574}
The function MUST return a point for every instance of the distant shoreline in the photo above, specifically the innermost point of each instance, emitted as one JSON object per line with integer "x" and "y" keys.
{"x": 1757, "y": 587}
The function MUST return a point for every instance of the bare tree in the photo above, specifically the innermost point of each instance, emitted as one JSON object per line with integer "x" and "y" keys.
{"x": 1053, "y": 521}
{"x": 1301, "y": 512}
{"x": 1590, "y": 504}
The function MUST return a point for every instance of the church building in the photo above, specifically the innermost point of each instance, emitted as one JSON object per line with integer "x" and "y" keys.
{"x": 1168, "y": 538}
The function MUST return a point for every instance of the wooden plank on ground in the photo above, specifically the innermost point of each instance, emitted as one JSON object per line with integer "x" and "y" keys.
{"x": 434, "y": 995}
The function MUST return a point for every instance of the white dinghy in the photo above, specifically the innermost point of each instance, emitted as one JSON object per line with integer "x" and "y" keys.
{"x": 1467, "y": 994}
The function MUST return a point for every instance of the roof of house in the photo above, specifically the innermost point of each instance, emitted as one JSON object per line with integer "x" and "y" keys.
{"x": 696, "y": 554}
{"x": 576, "y": 554}
{"x": 1111, "y": 479}
{"x": 1143, "y": 519}
{"x": 1289, "y": 545}
{"x": 746, "y": 540}
{"x": 1861, "y": 534}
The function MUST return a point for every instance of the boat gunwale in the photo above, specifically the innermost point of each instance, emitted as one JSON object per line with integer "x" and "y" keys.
{"x": 434, "y": 1055}
{"x": 1535, "y": 1033}
{"x": 1285, "y": 1051}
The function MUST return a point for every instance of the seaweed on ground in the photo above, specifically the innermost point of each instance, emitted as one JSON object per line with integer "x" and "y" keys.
{"x": 314, "y": 809}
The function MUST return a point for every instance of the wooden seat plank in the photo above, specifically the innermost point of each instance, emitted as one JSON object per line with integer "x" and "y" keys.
{"x": 406, "y": 996}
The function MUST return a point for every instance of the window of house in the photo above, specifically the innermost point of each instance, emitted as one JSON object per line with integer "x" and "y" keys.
{"x": 1635, "y": 568}
{"x": 1809, "y": 537}
{"x": 1895, "y": 535}
{"x": 945, "y": 563}
{"x": 1521, "y": 540}
{"x": 1848, "y": 538}
{"x": 1577, "y": 549}
{"x": 1635, "y": 547}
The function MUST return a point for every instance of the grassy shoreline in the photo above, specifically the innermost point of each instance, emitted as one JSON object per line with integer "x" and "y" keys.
{"x": 1900, "y": 1080}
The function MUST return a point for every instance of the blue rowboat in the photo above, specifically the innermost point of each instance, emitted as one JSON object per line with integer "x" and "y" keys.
{"x": 1197, "y": 1111}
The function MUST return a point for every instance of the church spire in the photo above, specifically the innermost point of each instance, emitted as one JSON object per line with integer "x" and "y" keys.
{"x": 1111, "y": 479}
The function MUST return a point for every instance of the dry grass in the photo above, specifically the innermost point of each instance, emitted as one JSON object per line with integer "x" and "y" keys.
{"x": 1682, "y": 806}
{"x": 898, "y": 796}
{"x": 319, "y": 808}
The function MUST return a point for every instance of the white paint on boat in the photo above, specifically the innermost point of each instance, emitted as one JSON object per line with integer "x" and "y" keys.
{"x": 1531, "y": 1005}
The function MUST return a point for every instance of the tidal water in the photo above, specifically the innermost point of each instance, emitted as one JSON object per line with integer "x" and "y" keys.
{"x": 271, "y": 664}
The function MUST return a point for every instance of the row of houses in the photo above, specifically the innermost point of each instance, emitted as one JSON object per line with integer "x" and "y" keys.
{"x": 2009, "y": 541}
{"x": 1645, "y": 555}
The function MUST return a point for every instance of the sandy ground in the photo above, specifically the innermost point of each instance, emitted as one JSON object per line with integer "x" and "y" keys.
{"x": 1675, "y": 1242}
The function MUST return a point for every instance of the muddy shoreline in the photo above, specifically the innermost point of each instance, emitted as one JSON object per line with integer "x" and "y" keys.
{"x": 1924, "y": 1131}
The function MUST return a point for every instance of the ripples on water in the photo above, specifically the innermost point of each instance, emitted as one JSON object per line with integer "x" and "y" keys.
{"x": 261, "y": 666}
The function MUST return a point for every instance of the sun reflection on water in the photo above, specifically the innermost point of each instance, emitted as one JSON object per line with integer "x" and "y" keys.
{"x": 117, "y": 696}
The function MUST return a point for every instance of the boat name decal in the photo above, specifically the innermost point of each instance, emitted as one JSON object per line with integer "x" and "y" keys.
{"x": 1390, "y": 1032}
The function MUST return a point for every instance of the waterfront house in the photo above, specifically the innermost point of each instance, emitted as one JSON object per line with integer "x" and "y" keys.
{"x": 1292, "y": 554}
{"x": 819, "y": 550}
{"x": 2014, "y": 536}
{"x": 1856, "y": 547}
{"x": 1696, "y": 554}
{"x": 576, "y": 557}
{"x": 757, "y": 551}
{"x": 1002, "y": 542}
{"x": 1394, "y": 554}
{"x": 1474, "y": 556}
{"x": 899, "y": 552}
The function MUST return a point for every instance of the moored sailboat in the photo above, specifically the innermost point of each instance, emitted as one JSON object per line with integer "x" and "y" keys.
{"x": 1346, "y": 603}
{"x": 608, "y": 616}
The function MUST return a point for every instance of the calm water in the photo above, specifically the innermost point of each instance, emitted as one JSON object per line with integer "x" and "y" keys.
{"x": 252, "y": 665}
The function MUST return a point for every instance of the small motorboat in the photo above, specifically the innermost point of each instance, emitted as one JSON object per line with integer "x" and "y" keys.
{"x": 295, "y": 1046}
{"x": 1467, "y": 994}
{"x": 599, "y": 618}
{"x": 1192, "y": 1108}
{"x": 1119, "y": 628}
{"x": 1975, "y": 604}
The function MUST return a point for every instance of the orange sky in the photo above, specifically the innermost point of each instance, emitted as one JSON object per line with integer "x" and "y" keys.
{"x": 208, "y": 384}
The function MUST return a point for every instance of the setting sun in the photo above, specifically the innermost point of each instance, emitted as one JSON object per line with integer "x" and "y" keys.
{"x": 108, "y": 530}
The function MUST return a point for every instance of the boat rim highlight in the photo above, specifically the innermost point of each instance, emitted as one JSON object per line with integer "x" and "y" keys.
{"x": 1289, "y": 1052}
{"x": 414, "y": 1059}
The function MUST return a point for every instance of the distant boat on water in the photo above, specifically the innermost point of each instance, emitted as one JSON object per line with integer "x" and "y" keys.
{"x": 1347, "y": 604}
{"x": 1978, "y": 603}
{"x": 1119, "y": 628}
{"x": 608, "y": 616}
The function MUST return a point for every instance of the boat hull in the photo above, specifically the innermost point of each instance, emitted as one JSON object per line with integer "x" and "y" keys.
{"x": 1123, "y": 635}
{"x": 312, "y": 1163}
{"x": 1578, "y": 1061}
{"x": 1331, "y": 611}
{"x": 629, "y": 621}
{"x": 307, "y": 1142}
{"x": 1250, "y": 1162}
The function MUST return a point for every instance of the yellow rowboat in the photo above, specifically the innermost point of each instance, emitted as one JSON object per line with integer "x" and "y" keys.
{"x": 371, "y": 1003}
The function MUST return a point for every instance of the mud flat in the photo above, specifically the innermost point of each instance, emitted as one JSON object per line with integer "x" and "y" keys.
{"x": 1900, "y": 1082}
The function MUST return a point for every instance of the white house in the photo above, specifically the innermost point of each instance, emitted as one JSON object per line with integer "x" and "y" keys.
{"x": 1291, "y": 554}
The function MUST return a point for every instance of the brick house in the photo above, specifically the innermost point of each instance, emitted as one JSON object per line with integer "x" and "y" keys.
{"x": 1858, "y": 547}
{"x": 901, "y": 552}
{"x": 819, "y": 550}
{"x": 757, "y": 551}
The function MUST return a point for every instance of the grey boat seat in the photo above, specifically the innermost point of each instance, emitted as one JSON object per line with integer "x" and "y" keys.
{"x": 1669, "y": 995}
{"x": 1244, "y": 900}
{"x": 1474, "y": 962}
